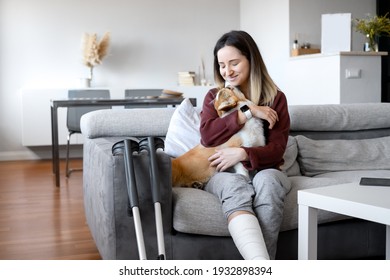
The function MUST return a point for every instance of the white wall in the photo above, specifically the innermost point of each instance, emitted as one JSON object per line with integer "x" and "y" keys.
{"x": 268, "y": 23}
{"x": 151, "y": 41}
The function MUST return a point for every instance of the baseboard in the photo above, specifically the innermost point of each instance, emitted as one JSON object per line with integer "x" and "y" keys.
{"x": 18, "y": 155}
{"x": 39, "y": 153}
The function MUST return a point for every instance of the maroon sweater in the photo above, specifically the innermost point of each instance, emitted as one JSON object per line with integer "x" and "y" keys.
{"x": 216, "y": 131}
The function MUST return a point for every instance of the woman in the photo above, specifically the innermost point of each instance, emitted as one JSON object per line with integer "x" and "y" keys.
{"x": 254, "y": 209}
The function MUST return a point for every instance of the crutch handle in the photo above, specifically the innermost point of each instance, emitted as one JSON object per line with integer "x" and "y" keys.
{"x": 131, "y": 146}
{"x": 151, "y": 144}
{"x": 127, "y": 147}
{"x": 154, "y": 171}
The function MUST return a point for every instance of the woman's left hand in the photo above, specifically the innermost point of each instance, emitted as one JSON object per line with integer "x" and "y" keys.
{"x": 227, "y": 157}
{"x": 265, "y": 113}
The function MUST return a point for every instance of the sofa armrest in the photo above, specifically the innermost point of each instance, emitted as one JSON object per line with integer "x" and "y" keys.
{"x": 126, "y": 122}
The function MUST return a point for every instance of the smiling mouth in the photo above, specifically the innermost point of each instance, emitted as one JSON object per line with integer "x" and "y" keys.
{"x": 232, "y": 78}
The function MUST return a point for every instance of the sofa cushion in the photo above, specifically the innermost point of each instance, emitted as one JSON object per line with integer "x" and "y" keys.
{"x": 321, "y": 156}
{"x": 290, "y": 165}
{"x": 290, "y": 217}
{"x": 198, "y": 212}
{"x": 183, "y": 131}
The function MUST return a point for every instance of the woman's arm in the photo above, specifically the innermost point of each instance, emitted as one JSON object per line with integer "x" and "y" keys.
{"x": 214, "y": 130}
{"x": 271, "y": 155}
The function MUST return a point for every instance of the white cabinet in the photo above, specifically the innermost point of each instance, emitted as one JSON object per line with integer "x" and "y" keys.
{"x": 346, "y": 77}
{"x": 36, "y": 120}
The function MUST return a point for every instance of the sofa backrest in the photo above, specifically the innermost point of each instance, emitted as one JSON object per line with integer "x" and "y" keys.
{"x": 343, "y": 121}
{"x": 318, "y": 122}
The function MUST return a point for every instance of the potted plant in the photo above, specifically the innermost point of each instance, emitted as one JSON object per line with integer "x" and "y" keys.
{"x": 94, "y": 51}
{"x": 373, "y": 28}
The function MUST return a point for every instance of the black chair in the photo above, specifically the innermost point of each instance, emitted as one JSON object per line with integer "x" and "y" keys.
{"x": 74, "y": 115}
{"x": 142, "y": 93}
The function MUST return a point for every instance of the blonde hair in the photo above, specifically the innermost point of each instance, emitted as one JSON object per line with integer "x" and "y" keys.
{"x": 262, "y": 89}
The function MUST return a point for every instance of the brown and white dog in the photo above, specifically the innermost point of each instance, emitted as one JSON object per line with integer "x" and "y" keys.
{"x": 193, "y": 169}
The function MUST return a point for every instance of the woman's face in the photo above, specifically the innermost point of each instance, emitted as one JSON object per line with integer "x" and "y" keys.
{"x": 234, "y": 67}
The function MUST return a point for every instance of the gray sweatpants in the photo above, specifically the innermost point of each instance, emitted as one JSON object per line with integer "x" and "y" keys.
{"x": 263, "y": 196}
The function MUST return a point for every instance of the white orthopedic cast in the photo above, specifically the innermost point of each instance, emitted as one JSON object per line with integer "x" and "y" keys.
{"x": 248, "y": 237}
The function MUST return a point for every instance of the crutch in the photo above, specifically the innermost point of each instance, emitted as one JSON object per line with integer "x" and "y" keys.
{"x": 152, "y": 144}
{"x": 127, "y": 147}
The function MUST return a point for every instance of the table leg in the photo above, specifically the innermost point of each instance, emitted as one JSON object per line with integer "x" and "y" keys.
{"x": 388, "y": 242}
{"x": 307, "y": 232}
{"x": 54, "y": 146}
{"x": 52, "y": 138}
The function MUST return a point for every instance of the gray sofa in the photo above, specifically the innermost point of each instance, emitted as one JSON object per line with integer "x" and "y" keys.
{"x": 329, "y": 144}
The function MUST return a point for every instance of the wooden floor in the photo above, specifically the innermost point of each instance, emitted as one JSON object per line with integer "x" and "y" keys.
{"x": 39, "y": 220}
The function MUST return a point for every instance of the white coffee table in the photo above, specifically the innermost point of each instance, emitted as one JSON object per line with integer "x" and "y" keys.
{"x": 364, "y": 202}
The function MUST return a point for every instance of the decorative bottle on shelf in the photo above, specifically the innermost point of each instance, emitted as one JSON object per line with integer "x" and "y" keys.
{"x": 295, "y": 45}
{"x": 366, "y": 46}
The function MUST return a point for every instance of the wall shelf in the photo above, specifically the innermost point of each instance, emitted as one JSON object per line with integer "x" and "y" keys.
{"x": 297, "y": 52}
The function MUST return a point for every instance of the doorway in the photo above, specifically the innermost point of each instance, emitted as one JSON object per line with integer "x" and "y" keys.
{"x": 382, "y": 8}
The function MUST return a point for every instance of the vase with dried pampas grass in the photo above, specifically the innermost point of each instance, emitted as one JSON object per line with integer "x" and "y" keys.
{"x": 94, "y": 51}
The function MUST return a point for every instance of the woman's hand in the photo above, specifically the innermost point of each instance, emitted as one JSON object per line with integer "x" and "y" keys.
{"x": 265, "y": 113}
{"x": 227, "y": 157}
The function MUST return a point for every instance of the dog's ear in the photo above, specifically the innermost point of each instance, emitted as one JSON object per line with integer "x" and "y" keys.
{"x": 226, "y": 105}
{"x": 226, "y": 99}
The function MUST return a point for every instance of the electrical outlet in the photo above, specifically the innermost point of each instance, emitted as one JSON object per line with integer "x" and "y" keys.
{"x": 353, "y": 73}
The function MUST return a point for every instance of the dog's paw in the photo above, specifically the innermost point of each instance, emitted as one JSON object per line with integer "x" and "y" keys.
{"x": 197, "y": 185}
{"x": 240, "y": 169}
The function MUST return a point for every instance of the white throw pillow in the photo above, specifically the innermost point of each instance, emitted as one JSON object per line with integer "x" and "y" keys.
{"x": 183, "y": 131}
